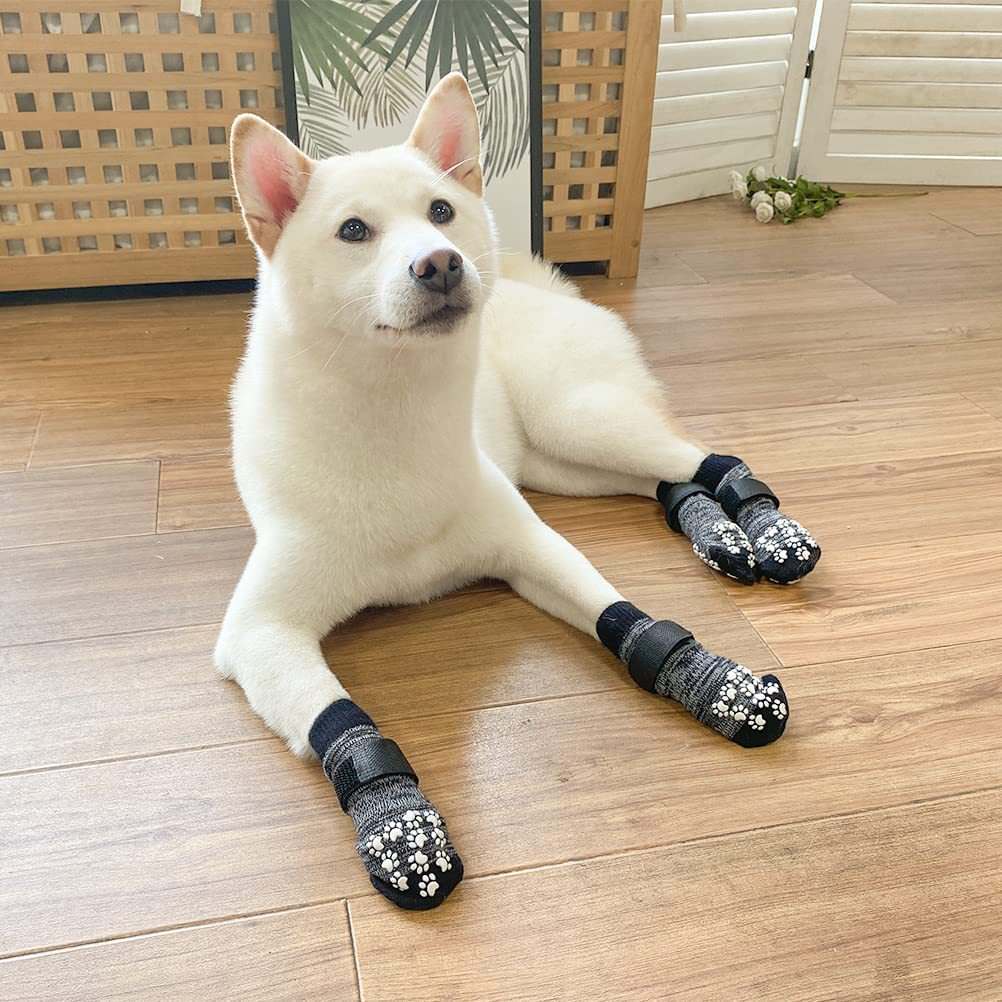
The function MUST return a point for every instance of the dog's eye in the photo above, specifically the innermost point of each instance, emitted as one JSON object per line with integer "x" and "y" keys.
{"x": 440, "y": 211}
{"x": 353, "y": 230}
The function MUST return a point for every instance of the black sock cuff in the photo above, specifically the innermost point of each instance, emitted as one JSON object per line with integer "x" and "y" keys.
{"x": 616, "y": 622}
{"x": 713, "y": 469}
{"x": 334, "y": 721}
{"x": 662, "y": 492}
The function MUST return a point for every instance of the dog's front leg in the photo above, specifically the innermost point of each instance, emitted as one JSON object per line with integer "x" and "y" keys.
{"x": 287, "y": 600}
{"x": 661, "y": 656}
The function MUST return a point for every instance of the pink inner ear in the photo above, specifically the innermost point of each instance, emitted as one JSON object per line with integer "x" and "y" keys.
{"x": 272, "y": 181}
{"x": 448, "y": 145}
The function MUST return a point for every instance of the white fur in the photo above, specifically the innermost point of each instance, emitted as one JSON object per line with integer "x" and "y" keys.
{"x": 378, "y": 467}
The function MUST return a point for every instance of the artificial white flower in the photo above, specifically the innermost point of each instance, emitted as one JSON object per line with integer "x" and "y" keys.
{"x": 761, "y": 198}
{"x": 737, "y": 179}
{"x": 783, "y": 201}
{"x": 760, "y": 173}
{"x": 764, "y": 212}
{"x": 740, "y": 190}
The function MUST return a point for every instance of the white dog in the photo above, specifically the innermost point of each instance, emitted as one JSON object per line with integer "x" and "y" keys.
{"x": 394, "y": 390}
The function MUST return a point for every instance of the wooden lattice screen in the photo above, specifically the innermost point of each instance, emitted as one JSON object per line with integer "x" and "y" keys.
{"x": 114, "y": 130}
{"x": 599, "y": 66}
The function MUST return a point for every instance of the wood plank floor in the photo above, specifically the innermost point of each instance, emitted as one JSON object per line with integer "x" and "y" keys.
{"x": 159, "y": 844}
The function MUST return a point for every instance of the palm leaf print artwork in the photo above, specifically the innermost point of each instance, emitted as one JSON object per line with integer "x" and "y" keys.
{"x": 370, "y": 64}
{"x": 322, "y": 131}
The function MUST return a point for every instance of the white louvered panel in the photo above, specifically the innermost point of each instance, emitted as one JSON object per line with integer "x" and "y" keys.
{"x": 956, "y": 120}
{"x": 726, "y": 104}
{"x": 932, "y": 44}
{"x": 896, "y": 145}
{"x": 719, "y": 96}
{"x": 720, "y": 130}
{"x": 749, "y": 76}
{"x": 724, "y": 52}
{"x": 957, "y": 71}
{"x": 906, "y": 92}
{"x": 918, "y": 95}
{"x": 729, "y": 24}
{"x": 943, "y": 3}
{"x": 922, "y": 17}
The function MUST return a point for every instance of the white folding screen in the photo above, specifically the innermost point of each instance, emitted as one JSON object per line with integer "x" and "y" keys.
{"x": 727, "y": 94}
{"x": 906, "y": 93}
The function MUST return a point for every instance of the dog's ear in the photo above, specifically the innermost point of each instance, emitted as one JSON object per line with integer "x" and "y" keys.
{"x": 270, "y": 175}
{"x": 448, "y": 131}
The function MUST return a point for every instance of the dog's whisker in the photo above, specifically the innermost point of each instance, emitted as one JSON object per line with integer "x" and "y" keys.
{"x": 445, "y": 173}
{"x": 351, "y": 302}
{"x": 330, "y": 358}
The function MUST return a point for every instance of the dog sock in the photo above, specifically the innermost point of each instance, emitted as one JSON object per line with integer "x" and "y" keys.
{"x": 402, "y": 839}
{"x": 784, "y": 550}
{"x": 663, "y": 657}
{"x": 717, "y": 541}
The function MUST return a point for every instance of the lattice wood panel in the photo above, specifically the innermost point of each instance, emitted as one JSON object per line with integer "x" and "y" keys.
{"x": 599, "y": 64}
{"x": 114, "y": 130}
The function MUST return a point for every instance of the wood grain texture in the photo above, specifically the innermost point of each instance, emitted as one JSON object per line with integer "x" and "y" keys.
{"x": 784, "y": 259}
{"x": 116, "y": 697}
{"x": 85, "y": 502}
{"x": 198, "y": 494}
{"x": 18, "y": 427}
{"x": 69, "y": 435}
{"x": 830, "y": 909}
{"x": 513, "y": 781}
{"x": 989, "y": 400}
{"x": 884, "y": 597}
{"x": 896, "y": 501}
{"x": 723, "y": 386}
{"x": 201, "y": 835}
{"x": 273, "y": 958}
{"x": 871, "y": 431}
{"x": 91, "y": 589}
{"x": 778, "y": 332}
{"x": 918, "y": 370}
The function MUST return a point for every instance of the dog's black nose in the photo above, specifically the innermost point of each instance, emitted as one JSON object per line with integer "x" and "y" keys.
{"x": 438, "y": 270}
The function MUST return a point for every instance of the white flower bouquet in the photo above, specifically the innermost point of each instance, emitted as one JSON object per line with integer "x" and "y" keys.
{"x": 771, "y": 197}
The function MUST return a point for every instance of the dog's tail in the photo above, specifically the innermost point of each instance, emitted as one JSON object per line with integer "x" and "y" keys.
{"x": 536, "y": 271}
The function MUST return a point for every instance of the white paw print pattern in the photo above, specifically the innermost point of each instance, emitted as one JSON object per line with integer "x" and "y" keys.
{"x": 411, "y": 832}
{"x": 427, "y": 886}
{"x": 735, "y": 541}
{"x": 787, "y": 537}
{"x": 745, "y": 699}
{"x": 736, "y": 545}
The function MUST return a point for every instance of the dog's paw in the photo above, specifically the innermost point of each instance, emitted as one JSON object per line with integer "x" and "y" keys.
{"x": 724, "y": 547}
{"x": 411, "y": 860}
{"x": 785, "y": 551}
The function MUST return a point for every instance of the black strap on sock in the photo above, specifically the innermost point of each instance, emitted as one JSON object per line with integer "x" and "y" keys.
{"x": 672, "y": 497}
{"x": 653, "y": 648}
{"x": 741, "y": 491}
{"x": 370, "y": 761}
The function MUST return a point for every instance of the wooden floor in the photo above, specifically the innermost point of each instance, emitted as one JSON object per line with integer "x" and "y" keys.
{"x": 159, "y": 844}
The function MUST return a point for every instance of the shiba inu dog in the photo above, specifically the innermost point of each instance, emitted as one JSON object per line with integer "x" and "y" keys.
{"x": 398, "y": 383}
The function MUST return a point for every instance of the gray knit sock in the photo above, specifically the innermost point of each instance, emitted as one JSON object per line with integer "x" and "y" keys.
{"x": 402, "y": 840}
{"x": 716, "y": 540}
{"x": 784, "y": 550}
{"x": 718, "y": 692}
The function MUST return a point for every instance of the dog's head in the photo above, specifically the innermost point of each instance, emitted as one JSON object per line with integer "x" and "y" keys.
{"x": 393, "y": 241}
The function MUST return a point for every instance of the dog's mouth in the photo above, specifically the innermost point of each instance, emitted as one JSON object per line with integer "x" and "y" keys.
{"x": 437, "y": 321}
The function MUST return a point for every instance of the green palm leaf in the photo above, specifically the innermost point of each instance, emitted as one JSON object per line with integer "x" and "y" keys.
{"x": 504, "y": 117}
{"x": 326, "y": 38}
{"x": 322, "y": 130}
{"x": 386, "y": 94}
{"x": 458, "y": 27}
